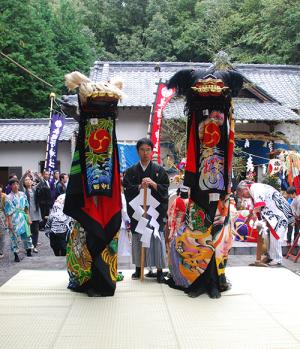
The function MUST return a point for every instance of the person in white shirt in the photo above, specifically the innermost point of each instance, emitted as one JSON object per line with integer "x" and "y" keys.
{"x": 270, "y": 206}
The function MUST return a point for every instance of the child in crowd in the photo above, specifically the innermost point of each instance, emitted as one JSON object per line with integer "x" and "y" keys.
{"x": 58, "y": 226}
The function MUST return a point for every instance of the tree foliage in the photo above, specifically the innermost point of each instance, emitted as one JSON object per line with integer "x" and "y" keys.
{"x": 49, "y": 41}
{"x": 174, "y": 131}
{"x": 51, "y": 38}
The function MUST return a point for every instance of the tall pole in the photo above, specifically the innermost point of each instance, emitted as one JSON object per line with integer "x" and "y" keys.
{"x": 52, "y": 97}
{"x": 149, "y": 132}
{"x": 143, "y": 248}
{"x": 152, "y": 112}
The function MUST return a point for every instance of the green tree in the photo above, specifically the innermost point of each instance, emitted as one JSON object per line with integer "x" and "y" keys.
{"x": 279, "y": 41}
{"x": 99, "y": 17}
{"x": 51, "y": 38}
{"x": 48, "y": 39}
{"x": 75, "y": 47}
{"x": 26, "y": 38}
{"x": 262, "y": 31}
{"x": 158, "y": 40}
{"x": 130, "y": 47}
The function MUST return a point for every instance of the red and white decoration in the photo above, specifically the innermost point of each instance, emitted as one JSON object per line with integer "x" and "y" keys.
{"x": 163, "y": 97}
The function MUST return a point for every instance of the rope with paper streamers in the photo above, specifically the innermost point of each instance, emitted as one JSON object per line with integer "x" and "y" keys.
{"x": 263, "y": 137}
{"x": 250, "y": 154}
{"x": 253, "y": 166}
{"x": 256, "y": 156}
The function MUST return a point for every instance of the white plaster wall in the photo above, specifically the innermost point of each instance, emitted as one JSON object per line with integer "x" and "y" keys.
{"x": 132, "y": 124}
{"x": 28, "y": 155}
{"x": 290, "y": 130}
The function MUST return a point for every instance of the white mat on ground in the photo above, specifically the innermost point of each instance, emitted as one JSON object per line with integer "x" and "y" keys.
{"x": 260, "y": 311}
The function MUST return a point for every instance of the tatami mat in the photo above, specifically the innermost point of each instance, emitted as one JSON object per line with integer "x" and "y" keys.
{"x": 259, "y": 312}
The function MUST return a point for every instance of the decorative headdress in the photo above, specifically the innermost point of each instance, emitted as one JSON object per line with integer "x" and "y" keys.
{"x": 208, "y": 95}
{"x": 91, "y": 93}
{"x": 206, "y": 82}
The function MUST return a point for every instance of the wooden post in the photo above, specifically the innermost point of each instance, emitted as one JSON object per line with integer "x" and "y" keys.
{"x": 259, "y": 247}
{"x": 259, "y": 252}
{"x": 143, "y": 248}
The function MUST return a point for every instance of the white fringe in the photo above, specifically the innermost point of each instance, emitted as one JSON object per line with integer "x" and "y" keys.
{"x": 88, "y": 88}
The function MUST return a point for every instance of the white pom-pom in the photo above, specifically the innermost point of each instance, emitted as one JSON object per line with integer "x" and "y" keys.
{"x": 75, "y": 79}
{"x": 118, "y": 82}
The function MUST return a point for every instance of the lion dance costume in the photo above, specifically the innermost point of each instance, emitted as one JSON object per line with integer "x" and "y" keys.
{"x": 199, "y": 249}
{"x": 93, "y": 196}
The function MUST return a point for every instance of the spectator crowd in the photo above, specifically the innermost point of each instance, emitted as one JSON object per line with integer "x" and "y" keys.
{"x": 32, "y": 204}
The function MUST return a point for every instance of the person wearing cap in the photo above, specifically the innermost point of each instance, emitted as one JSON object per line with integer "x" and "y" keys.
{"x": 270, "y": 206}
{"x": 18, "y": 219}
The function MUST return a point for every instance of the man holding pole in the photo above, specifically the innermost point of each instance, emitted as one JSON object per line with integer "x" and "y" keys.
{"x": 146, "y": 191}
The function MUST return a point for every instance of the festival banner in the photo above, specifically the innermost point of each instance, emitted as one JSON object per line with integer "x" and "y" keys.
{"x": 56, "y": 126}
{"x": 163, "y": 97}
{"x": 128, "y": 156}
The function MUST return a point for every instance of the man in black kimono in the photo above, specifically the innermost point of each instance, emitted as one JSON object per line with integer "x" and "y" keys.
{"x": 147, "y": 229}
{"x": 44, "y": 198}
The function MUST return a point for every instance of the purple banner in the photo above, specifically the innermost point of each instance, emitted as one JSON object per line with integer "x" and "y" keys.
{"x": 56, "y": 127}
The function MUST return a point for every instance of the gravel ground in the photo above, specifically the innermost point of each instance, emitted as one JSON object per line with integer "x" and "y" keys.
{"x": 45, "y": 260}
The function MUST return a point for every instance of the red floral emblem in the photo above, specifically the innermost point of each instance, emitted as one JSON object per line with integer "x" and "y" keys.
{"x": 99, "y": 141}
{"x": 212, "y": 134}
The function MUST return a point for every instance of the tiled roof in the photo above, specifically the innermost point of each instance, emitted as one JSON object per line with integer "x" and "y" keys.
{"x": 279, "y": 81}
{"x": 249, "y": 109}
{"x": 32, "y": 130}
{"x": 139, "y": 78}
{"x": 244, "y": 109}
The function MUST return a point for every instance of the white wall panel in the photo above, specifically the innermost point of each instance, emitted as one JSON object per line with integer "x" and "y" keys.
{"x": 132, "y": 124}
{"x": 28, "y": 155}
